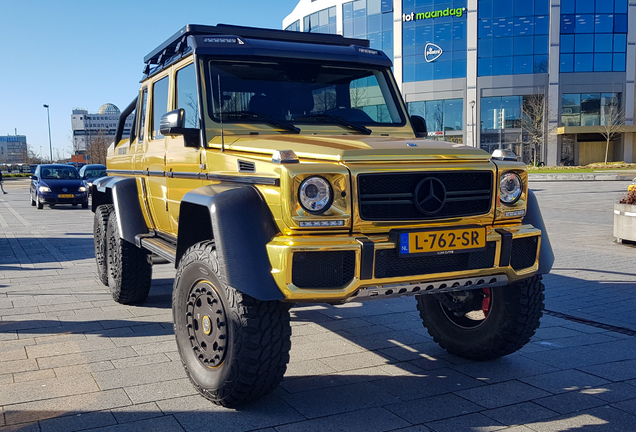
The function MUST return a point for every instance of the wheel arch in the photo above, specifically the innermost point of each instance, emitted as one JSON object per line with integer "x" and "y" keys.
{"x": 534, "y": 218}
{"x": 123, "y": 194}
{"x": 238, "y": 219}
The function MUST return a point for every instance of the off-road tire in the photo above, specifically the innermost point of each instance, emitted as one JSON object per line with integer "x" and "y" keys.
{"x": 514, "y": 315}
{"x": 129, "y": 272}
{"x": 100, "y": 225}
{"x": 256, "y": 333}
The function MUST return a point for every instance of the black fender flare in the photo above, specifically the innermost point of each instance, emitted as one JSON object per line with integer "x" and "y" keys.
{"x": 534, "y": 218}
{"x": 241, "y": 224}
{"x": 123, "y": 194}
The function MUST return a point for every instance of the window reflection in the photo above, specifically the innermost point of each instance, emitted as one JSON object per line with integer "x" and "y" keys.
{"x": 588, "y": 109}
{"x": 441, "y": 115}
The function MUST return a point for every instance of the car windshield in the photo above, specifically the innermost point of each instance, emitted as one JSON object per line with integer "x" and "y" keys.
{"x": 289, "y": 94}
{"x": 94, "y": 173}
{"x": 59, "y": 173}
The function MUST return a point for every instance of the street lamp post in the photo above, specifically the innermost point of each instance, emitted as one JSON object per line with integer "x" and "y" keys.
{"x": 48, "y": 115}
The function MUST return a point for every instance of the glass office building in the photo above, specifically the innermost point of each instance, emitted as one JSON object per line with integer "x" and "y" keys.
{"x": 475, "y": 68}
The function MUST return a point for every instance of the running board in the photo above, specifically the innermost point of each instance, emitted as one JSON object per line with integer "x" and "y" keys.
{"x": 413, "y": 288}
{"x": 160, "y": 247}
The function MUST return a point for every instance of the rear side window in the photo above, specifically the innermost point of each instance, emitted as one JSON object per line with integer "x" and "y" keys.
{"x": 187, "y": 95}
{"x": 159, "y": 105}
{"x": 142, "y": 116}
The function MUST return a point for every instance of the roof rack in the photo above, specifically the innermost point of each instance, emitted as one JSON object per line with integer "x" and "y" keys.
{"x": 176, "y": 44}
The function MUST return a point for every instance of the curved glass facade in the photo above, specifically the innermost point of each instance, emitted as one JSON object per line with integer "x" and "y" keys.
{"x": 593, "y": 35}
{"x": 323, "y": 21}
{"x": 434, "y": 39}
{"x": 513, "y": 37}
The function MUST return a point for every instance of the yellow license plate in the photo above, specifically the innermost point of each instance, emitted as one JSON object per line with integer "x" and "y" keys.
{"x": 66, "y": 196}
{"x": 442, "y": 241}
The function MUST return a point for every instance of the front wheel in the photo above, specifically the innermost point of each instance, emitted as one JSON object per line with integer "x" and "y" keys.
{"x": 234, "y": 347}
{"x": 487, "y": 323}
{"x": 39, "y": 203}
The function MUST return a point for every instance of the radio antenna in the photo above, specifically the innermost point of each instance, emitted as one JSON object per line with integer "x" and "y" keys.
{"x": 221, "y": 113}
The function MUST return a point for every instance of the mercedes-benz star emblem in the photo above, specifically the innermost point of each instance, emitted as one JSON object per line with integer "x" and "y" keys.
{"x": 430, "y": 195}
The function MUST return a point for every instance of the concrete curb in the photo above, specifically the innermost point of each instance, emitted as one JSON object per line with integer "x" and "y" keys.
{"x": 580, "y": 177}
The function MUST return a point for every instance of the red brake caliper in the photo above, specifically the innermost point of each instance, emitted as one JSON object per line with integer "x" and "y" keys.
{"x": 485, "y": 303}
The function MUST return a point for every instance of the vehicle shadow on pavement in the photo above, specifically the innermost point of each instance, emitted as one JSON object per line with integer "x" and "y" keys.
{"x": 32, "y": 250}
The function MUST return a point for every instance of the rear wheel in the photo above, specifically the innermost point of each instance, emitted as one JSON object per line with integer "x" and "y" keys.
{"x": 486, "y": 323}
{"x": 234, "y": 347}
{"x": 100, "y": 225}
{"x": 129, "y": 272}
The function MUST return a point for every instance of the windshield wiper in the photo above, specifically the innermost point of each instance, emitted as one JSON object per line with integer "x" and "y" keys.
{"x": 341, "y": 122}
{"x": 288, "y": 126}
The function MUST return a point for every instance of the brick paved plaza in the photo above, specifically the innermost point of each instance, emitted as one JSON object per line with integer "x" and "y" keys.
{"x": 73, "y": 359}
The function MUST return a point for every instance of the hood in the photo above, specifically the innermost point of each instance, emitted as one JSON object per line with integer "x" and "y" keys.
{"x": 356, "y": 148}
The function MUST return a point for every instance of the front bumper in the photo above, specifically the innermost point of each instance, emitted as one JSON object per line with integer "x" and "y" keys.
{"x": 53, "y": 199}
{"x": 352, "y": 266}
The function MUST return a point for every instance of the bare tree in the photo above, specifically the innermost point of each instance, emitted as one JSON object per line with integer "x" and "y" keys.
{"x": 534, "y": 122}
{"x": 98, "y": 148}
{"x": 358, "y": 94}
{"x": 612, "y": 121}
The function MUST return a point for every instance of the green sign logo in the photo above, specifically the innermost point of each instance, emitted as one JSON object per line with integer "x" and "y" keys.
{"x": 456, "y": 12}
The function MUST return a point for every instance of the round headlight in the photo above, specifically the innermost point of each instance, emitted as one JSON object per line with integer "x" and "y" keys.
{"x": 315, "y": 195}
{"x": 510, "y": 188}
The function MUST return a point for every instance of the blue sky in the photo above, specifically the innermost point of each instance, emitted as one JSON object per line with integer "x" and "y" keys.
{"x": 71, "y": 54}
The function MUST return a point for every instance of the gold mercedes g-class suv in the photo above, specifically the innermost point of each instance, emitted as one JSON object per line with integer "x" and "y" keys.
{"x": 273, "y": 168}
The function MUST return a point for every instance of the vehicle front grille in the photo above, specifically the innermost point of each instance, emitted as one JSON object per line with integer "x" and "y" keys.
{"x": 329, "y": 269}
{"x": 388, "y": 264}
{"x": 524, "y": 252}
{"x": 391, "y": 196}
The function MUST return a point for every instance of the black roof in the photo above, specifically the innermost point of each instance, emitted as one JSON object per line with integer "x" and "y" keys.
{"x": 178, "y": 45}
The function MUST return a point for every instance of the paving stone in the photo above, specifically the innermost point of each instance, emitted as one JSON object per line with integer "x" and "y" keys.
{"x": 307, "y": 367}
{"x": 612, "y": 392}
{"x": 629, "y": 406}
{"x": 473, "y": 422}
{"x": 160, "y": 390}
{"x": 375, "y": 373}
{"x": 87, "y": 368}
{"x": 267, "y": 412}
{"x": 338, "y": 400}
{"x": 518, "y": 414}
{"x": 564, "y": 381}
{"x": 63, "y": 406}
{"x": 355, "y": 361}
{"x": 504, "y": 369}
{"x": 48, "y": 388}
{"x": 33, "y": 375}
{"x": 78, "y": 421}
{"x": 375, "y": 420}
{"x": 312, "y": 382}
{"x": 322, "y": 350}
{"x": 433, "y": 408}
{"x": 140, "y": 361}
{"x": 426, "y": 383}
{"x": 14, "y": 366}
{"x": 602, "y": 419}
{"x": 71, "y": 347}
{"x": 156, "y": 348}
{"x": 502, "y": 394}
{"x": 165, "y": 423}
{"x": 139, "y": 375}
{"x": 31, "y": 427}
{"x": 86, "y": 357}
{"x": 137, "y": 412}
{"x": 615, "y": 371}
{"x": 566, "y": 403}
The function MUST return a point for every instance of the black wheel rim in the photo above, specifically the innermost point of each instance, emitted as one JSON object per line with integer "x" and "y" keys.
{"x": 206, "y": 322}
{"x": 474, "y": 316}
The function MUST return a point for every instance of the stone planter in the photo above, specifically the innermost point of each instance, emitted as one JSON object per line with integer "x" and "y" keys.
{"x": 625, "y": 222}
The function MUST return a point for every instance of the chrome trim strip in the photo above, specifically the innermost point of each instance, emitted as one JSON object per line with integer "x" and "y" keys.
{"x": 203, "y": 176}
{"x": 409, "y": 289}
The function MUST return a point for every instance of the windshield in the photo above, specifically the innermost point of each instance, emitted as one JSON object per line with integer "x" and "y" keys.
{"x": 60, "y": 173}
{"x": 94, "y": 173}
{"x": 292, "y": 96}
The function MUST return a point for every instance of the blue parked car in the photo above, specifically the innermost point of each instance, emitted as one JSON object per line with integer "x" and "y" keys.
{"x": 90, "y": 173}
{"x": 55, "y": 184}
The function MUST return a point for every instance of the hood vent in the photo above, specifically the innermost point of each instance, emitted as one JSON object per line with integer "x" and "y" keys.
{"x": 244, "y": 166}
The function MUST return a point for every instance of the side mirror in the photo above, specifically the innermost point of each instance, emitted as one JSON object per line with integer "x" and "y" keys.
{"x": 419, "y": 126}
{"x": 34, "y": 177}
{"x": 172, "y": 125}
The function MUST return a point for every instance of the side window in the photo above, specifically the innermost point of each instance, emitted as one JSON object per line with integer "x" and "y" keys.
{"x": 142, "y": 115}
{"x": 159, "y": 105}
{"x": 129, "y": 127}
{"x": 187, "y": 95}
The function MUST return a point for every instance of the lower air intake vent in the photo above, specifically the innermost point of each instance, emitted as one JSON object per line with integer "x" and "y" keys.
{"x": 244, "y": 166}
{"x": 524, "y": 252}
{"x": 332, "y": 269}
